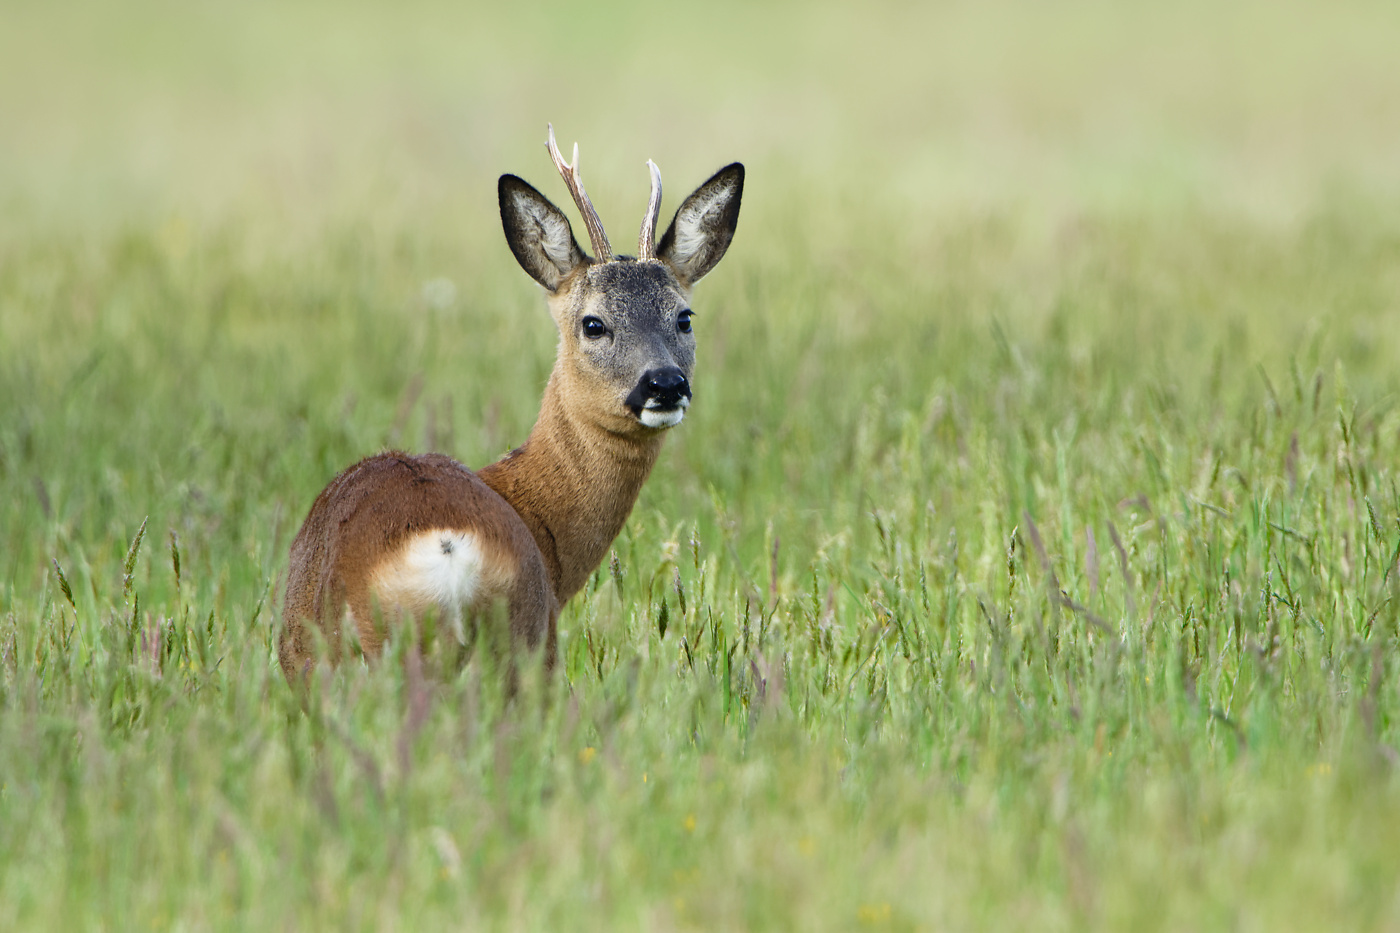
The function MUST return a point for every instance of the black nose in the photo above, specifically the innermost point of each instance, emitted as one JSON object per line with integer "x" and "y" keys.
{"x": 664, "y": 388}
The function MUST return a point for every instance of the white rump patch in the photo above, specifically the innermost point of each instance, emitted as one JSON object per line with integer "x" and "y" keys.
{"x": 443, "y": 571}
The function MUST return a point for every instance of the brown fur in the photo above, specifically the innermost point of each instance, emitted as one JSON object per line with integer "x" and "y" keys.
{"x": 542, "y": 518}
{"x": 361, "y": 521}
{"x": 573, "y": 484}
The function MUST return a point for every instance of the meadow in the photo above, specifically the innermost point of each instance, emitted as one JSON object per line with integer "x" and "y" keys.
{"x": 1028, "y": 559}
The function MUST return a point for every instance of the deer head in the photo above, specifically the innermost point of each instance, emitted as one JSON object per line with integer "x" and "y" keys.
{"x": 626, "y": 344}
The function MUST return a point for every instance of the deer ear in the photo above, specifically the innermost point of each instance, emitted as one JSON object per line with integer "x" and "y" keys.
{"x": 704, "y": 225}
{"x": 538, "y": 233}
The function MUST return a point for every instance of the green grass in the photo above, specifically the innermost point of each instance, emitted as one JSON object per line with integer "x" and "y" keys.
{"x": 1028, "y": 560}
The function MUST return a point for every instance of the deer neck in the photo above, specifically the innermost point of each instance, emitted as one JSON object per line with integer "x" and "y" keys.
{"x": 573, "y": 484}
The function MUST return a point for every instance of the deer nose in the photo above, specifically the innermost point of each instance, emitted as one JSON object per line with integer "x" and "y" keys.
{"x": 666, "y": 387}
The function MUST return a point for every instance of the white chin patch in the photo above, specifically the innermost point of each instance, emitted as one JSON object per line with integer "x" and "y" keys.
{"x": 663, "y": 417}
{"x": 653, "y": 418}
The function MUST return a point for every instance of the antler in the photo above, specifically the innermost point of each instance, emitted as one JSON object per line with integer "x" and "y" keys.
{"x": 569, "y": 170}
{"x": 646, "y": 246}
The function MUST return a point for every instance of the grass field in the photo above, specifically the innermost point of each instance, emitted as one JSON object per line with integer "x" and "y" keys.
{"x": 1029, "y": 559}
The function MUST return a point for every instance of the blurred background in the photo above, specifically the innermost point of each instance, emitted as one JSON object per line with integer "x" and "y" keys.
{"x": 295, "y": 113}
{"x": 1029, "y": 302}
{"x": 245, "y": 244}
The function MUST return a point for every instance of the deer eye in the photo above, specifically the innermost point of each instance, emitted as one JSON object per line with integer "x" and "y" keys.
{"x": 593, "y": 328}
{"x": 683, "y": 322}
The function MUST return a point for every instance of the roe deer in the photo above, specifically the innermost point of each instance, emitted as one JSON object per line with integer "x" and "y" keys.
{"x": 398, "y": 535}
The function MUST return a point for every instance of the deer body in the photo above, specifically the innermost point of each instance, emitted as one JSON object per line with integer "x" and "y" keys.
{"x": 398, "y": 535}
